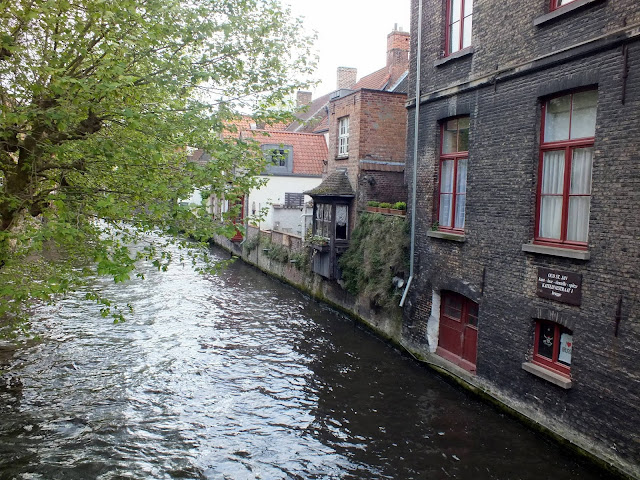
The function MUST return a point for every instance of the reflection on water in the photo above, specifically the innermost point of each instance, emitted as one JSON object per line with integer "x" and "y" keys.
{"x": 240, "y": 377}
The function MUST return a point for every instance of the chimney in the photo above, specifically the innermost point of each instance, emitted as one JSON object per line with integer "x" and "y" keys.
{"x": 347, "y": 77}
{"x": 397, "y": 52}
{"x": 303, "y": 98}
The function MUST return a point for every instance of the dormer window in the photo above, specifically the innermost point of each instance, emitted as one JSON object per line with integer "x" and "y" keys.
{"x": 279, "y": 159}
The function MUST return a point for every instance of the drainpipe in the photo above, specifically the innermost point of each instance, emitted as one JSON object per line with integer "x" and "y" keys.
{"x": 415, "y": 156}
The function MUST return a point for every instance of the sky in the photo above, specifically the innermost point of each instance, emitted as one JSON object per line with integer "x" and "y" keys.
{"x": 351, "y": 33}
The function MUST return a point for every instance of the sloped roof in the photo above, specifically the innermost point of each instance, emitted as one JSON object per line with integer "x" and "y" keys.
{"x": 337, "y": 184}
{"x": 316, "y": 109}
{"x": 309, "y": 150}
{"x": 199, "y": 156}
{"x": 377, "y": 80}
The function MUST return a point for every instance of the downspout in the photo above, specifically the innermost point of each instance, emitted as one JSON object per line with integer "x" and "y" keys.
{"x": 415, "y": 156}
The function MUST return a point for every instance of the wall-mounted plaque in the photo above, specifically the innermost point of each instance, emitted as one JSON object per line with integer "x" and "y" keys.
{"x": 565, "y": 287}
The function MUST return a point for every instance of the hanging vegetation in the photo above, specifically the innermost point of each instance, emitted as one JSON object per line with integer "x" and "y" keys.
{"x": 378, "y": 252}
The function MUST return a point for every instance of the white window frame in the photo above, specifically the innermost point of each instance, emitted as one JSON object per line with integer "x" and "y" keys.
{"x": 343, "y": 137}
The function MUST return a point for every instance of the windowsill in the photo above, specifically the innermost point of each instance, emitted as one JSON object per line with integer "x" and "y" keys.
{"x": 556, "y": 251}
{"x": 342, "y": 157}
{"x": 455, "y": 237}
{"x": 548, "y": 375}
{"x": 454, "y": 56}
{"x": 562, "y": 11}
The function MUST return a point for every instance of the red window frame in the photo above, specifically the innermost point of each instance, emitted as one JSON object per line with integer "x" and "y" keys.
{"x": 568, "y": 146}
{"x": 448, "y": 47}
{"x": 551, "y": 363}
{"x": 555, "y": 4}
{"x": 456, "y": 157}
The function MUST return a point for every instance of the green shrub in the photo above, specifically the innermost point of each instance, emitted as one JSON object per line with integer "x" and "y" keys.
{"x": 400, "y": 205}
{"x": 373, "y": 203}
{"x": 385, "y": 205}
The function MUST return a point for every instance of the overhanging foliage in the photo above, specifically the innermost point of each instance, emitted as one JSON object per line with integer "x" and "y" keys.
{"x": 98, "y": 103}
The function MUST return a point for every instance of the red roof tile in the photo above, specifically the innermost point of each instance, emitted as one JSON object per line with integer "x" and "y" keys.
{"x": 374, "y": 81}
{"x": 309, "y": 150}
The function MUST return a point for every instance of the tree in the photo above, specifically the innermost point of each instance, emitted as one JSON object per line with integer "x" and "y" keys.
{"x": 99, "y": 101}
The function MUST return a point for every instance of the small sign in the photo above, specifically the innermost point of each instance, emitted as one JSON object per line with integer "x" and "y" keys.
{"x": 565, "y": 287}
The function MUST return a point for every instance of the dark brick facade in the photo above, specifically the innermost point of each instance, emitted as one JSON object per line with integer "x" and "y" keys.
{"x": 519, "y": 56}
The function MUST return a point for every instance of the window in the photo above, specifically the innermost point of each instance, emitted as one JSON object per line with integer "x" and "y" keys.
{"x": 552, "y": 346}
{"x": 323, "y": 220}
{"x": 453, "y": 174}
{"x": 566, "y": 159}
{"x": 555, "y": 4}
{"x": 279, "y": 159}
{"x": 459, "y": 22}
{"x": 343, "y": 137}
{"x": 342, "y": 219}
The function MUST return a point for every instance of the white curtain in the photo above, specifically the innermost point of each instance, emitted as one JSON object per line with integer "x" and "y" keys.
{"x": 580, "y": 195}
{"x": 551, "y": 194}
{"x": 461, "y": 191}
{"x": 446, "y": 192}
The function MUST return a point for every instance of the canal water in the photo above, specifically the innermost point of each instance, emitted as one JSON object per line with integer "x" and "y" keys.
{"x": 238, "y": 376}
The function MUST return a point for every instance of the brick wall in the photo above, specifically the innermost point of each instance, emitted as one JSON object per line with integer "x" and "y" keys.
{"x": 489, "y": 266}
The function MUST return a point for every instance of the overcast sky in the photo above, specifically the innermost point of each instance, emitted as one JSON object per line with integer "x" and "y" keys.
{"x": 351, "y": 33}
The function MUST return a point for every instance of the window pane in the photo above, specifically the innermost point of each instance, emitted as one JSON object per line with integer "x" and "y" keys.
{"x": 550, "y": 217}
{"x": 460, "y": 211}
{"x": 583, "y": 116}
{"x": 450, "y": 137}
{"x": 566, "y": 345}
{"x": 445, "y": 210}
{"x": 461, "y": 184}
{"x": 578, "y": 222}
{"x": 463, "y": 135}
{"x": 553, "y": 172}
{"x": 341, "y": 221}
{"x": 454, "y": 37}
{"x": 452, "y": 306}
{"x": 556, "y": 123}
{"x": 446, "y": 176}
{"x": 546, "y": 339}
{"x": 581, "y": 164}
{"x": 468, "y": 7}
{"x": 466, "y": 31}
{"x": 456, "y": 7}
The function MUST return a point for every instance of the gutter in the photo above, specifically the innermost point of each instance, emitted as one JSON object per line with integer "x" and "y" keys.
{"x": 415, "y": 157}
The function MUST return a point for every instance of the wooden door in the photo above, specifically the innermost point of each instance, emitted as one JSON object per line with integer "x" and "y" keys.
{"x": 458, "y": 339}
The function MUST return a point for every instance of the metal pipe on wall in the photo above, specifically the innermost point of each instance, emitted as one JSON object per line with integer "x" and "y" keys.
{"x": 415, "y": 156}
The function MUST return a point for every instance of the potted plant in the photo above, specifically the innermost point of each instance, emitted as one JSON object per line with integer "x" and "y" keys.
{"x": 384, "y": 207}
{"x": 399, "y": 208}
{"x": 320, "y": 243}
{"x": 372, "y": 206}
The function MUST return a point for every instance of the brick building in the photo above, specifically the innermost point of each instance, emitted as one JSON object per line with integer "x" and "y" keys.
{"x": 527, "y": 192}
{"x": 366, "y": 128}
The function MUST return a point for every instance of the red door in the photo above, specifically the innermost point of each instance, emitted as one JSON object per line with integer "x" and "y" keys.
{"x": 238, "y": 220}
{"x": 458, "y": 339}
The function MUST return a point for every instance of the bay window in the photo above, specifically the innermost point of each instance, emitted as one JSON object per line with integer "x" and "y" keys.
{"x": 459, "y": 23}
{"x": 453, "y": 174}
{"x": 566, "y": 160}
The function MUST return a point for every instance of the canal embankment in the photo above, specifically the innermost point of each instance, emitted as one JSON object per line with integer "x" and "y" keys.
{"x": 287, "y": 257}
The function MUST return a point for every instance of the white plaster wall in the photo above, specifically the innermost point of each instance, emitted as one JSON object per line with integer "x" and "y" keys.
{"x": 433, "y": 324}
{"x": 273, "y": 193}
